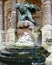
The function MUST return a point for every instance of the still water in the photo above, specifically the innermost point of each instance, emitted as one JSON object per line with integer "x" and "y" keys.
{"x": 10, "y": 63}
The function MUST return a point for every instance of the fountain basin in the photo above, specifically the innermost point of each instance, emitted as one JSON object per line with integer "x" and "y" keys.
{"x": 36, "y": 54}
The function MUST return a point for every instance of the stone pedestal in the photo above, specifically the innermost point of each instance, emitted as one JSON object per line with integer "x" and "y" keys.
{"x": 10, "y": 37}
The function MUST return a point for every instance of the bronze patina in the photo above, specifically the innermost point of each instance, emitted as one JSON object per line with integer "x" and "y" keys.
{"x": 26, "y": 10}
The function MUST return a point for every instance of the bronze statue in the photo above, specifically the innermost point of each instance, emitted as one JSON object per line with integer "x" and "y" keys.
{"x": 26, "y": 10}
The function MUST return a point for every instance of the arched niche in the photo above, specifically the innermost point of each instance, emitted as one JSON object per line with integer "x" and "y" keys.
{"x": 37, "y": 16}
{"x": 37, "y": 2}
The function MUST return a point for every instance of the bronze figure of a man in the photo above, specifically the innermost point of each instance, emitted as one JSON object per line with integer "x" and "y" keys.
{"x": 26, "y": 10}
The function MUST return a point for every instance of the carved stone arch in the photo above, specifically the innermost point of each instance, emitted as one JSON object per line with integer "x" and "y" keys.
{"x": 37, "y": 2}
{"x": 20, "y": 1}
{"x": 39, "y": 15}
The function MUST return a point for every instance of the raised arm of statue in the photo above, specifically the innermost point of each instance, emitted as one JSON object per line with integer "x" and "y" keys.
{"x": 31, "y": 7}
{"x": 26, "y": 10}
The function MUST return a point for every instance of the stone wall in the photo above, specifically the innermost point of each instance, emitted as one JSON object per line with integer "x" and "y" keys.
{"x": 20, "y": 1}
{"x": 7, "y": 13}
{"x": 39, "y": 18}
{"x": 0, "y": 8}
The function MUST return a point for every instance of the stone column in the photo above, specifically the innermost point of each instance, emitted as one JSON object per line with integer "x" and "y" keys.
{"x": 13, "y": 15}
{"x": 10, "y": 36}
{"x": 3, "y": 14}
{"x": 47, "y": 29}
{"x": 2, "y": 34}
{"x": 47, "y": 12}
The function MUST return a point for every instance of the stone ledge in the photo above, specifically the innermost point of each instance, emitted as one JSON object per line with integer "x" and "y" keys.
{"x": 46, "y": 27}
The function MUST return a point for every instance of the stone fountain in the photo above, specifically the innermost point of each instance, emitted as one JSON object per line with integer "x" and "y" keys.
{"x": 25, "y": 48}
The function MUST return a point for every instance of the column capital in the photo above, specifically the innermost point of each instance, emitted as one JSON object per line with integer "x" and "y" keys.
{"x": 46, "y": 2}
{"x": 46, "y": 6}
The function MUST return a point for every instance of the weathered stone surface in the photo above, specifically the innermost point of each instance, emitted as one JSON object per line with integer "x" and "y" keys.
{"x": 25, "y": 26}
{"x": 47, "y": 29}
{"x": 46, "y": 33}
{"x": 10, "y": 37}
{"x": 13, "y": 15}
{"x": 13, "y": 20}
{"x": 47, "y": 12}
{"x": 1, "y": 23}
{"x": 25, "y": 40}
{"x": 49, "y": 60}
